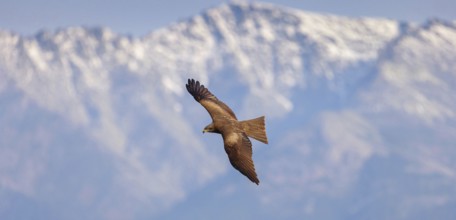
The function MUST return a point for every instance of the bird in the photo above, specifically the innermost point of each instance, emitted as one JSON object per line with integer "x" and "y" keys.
{"x": 235, "y": 133}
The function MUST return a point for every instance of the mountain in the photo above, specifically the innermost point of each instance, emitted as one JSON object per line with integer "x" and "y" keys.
{"x": 360, "y": 117}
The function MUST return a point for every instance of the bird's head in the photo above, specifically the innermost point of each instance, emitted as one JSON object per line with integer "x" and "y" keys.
{"x": 209, "y": 128}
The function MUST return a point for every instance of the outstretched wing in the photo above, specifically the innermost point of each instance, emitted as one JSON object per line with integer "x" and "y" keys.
{"x": 214, "y": 106}
{"x": 239, "y": 150}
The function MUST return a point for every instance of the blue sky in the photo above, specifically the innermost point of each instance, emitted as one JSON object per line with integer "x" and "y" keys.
{"x": 138, "y": 17}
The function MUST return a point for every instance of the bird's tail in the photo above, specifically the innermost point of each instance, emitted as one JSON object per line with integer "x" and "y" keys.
{"x": 255, "y": 128}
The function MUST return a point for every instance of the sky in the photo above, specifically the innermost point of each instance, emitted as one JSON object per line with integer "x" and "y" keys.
{"x": 139, "y": 17}
{"x": 312, "y": 168}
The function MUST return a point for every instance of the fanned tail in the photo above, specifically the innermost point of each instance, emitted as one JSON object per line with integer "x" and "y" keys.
{"x": 255, "y": 128}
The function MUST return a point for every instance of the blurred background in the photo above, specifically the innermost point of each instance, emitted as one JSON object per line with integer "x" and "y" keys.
{"x": 95, "y": 121}
{"x": 139, "y": 17}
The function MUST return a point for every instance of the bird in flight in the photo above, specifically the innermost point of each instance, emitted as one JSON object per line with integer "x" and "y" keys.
{"x": 235, "y": 133}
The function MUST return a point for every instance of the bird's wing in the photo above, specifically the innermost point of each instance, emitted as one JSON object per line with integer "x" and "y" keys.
{"x": 216, "y": 108}
{"x": 239, "y": 150}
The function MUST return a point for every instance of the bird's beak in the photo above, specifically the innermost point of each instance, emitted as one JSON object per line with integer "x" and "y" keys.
{"x": 204, "y": 131}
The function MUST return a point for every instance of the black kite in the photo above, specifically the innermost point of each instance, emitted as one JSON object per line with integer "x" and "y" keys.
{"x": 235, "y": 133}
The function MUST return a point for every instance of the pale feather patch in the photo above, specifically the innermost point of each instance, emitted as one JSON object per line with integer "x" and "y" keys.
{"x": 231, "y": 139}
{"x": 213, "y": 108}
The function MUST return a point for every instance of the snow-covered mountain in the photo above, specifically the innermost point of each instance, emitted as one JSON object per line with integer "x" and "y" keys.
{"x": 360, "y": 116}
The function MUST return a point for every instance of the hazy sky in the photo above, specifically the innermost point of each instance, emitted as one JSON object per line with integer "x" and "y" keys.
{"x": 139, "y": 17}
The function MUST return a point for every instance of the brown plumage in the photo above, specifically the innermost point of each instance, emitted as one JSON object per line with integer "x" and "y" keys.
{"x": 235, "y": 133}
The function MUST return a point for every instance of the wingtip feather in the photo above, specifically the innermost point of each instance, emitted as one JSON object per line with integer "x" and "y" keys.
{"x": 197, "y": 90}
